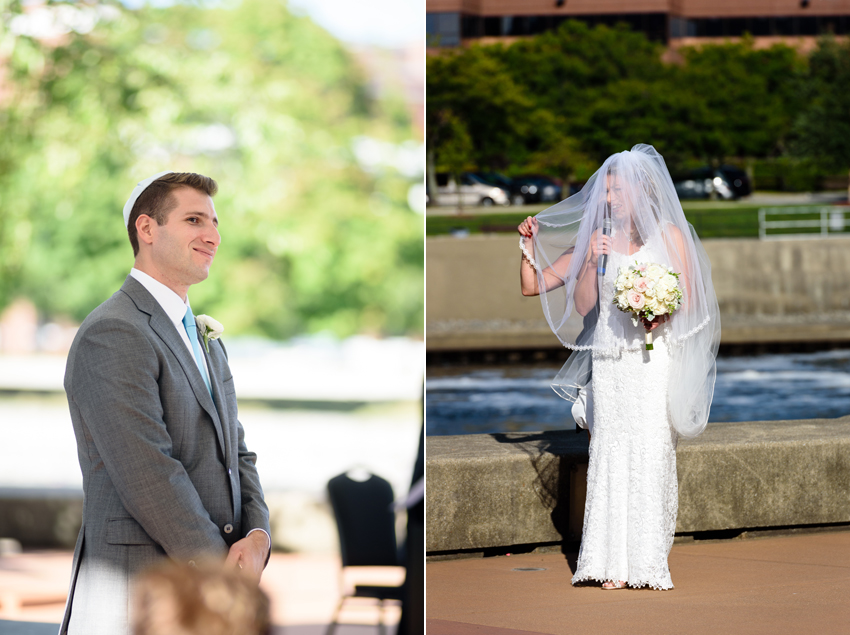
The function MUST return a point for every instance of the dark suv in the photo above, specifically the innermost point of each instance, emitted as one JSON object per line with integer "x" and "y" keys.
{"x": 531, "y": 188}
{"x": 728, "y": 181}
{"x": 536, "y": 188}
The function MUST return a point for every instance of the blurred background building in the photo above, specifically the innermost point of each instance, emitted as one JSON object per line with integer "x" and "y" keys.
{"x": 673, "y": 22}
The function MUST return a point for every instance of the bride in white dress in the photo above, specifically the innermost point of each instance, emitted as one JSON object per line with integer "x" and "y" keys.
{"x": 637, "y": 402}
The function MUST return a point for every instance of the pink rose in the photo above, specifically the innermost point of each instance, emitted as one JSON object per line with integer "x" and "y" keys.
{"x": 636, "y": 300}
{"x": 641, "y": 285}
{"x": 642, "y": 266}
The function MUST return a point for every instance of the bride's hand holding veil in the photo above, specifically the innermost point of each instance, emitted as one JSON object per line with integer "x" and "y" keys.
{"x": 528, "y": 228}
{"x": 553, "y": 276}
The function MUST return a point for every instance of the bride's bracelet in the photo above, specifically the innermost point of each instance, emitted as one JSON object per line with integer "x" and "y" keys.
{"x": 526, "y": 255}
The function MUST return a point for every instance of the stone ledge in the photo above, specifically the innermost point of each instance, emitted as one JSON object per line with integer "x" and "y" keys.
{"x": 51, "y": 519}
{"x": 486, "y": 491}
{"x": 483, "y": 308}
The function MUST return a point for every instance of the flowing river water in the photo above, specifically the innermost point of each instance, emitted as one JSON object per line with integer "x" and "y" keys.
{"x": 517, "y": 398}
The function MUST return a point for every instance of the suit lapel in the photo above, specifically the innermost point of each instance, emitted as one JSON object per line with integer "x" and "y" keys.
{"x": 218, "y": 392}
{"x": 164, "y": 328}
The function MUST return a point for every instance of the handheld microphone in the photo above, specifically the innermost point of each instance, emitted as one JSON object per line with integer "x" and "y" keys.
{"x": 606, "y": 231}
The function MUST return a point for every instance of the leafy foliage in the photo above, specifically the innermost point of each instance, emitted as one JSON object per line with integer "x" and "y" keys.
{"x": 749, "y": 96}
{"x": 823, "y": 127}
{"x": 475, "y": 86}
{"x": 263, "y": 101}
{"x": 578, "y": 94}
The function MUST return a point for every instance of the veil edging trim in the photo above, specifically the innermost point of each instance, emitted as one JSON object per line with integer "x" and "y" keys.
{"x": 699, "y": 327}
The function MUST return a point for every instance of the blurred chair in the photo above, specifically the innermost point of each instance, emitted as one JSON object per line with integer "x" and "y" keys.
{"x": 366, "y": 523}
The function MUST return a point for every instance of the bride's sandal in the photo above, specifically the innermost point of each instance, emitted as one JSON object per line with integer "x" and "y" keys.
{"x": 611, "y": 585}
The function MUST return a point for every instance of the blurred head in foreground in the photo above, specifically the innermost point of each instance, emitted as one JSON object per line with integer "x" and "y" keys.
{"x": 177, "y": 599}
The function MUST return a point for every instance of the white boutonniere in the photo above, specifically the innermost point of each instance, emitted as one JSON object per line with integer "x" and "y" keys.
{"x": 210, "y": 329}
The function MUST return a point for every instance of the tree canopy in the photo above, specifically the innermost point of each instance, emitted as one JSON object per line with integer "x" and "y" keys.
{"x": 562, "y": 101}
{"x": 822, "y": 128}
{"x": 264, "y": 101}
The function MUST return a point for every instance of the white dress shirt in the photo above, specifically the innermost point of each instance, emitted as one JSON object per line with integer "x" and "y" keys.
{"x": 175, "y": 309}
{"x": 173, "y": 306}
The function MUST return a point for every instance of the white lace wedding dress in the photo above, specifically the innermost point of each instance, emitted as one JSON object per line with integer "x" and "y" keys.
{"x": 632, "y": 493}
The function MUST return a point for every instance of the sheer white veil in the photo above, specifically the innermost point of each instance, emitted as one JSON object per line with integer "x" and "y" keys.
{"x": 633, "y": 195}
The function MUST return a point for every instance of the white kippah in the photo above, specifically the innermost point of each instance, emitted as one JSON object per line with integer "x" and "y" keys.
{"x": 137, "y": 192}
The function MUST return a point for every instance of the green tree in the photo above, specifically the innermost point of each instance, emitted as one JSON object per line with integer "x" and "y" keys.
{"x": 567, "y": 72}
{"x": 551, "y": 150}
{"x": 749, "y": 96}
{"x": 822, "y": 128}
{"x": 262, "y": 100}
{"x": 449, "y": 134}
{"x": 581, "y": 93}
{"x": 633, "y": 111}
{"x": 474, "y": 86}
{"x": 566, "y": 68}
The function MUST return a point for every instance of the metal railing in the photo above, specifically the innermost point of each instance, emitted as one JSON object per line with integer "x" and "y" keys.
{"x": 816, "y": 222}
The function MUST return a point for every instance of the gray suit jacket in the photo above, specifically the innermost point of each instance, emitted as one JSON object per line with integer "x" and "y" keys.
{"x": 165, "y": 468}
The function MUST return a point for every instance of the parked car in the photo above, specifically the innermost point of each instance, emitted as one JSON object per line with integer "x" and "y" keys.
{"x": 536, "y": 188}
{"x": 504, "y": 182}
{"x": 738, "y": 180}
{"x": 530, "y": 188}
{"x": 728, "y": 181}
{"x": 472, "y": 190}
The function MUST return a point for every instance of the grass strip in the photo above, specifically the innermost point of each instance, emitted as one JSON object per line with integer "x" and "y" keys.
{"x": 737, "y": 221}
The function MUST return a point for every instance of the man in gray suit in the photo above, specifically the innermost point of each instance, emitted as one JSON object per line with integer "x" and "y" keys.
{"x": 165, "y": 468}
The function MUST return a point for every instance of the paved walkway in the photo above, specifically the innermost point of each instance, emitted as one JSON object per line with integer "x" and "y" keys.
{"x": 771, "y": 586}
{"x": 303, "y": 589}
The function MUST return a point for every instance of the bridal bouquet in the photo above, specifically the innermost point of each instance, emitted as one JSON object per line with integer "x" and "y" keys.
{"x": 647, "y": 290}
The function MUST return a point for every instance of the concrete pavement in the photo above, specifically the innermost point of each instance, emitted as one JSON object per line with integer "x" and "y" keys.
{"x": 303, "y": 589}
{"x": 754, "y": 586}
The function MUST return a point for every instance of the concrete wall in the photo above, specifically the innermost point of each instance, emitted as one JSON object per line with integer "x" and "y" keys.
{"x": 509, "y": 489}
{"x": 769, "y": 291}
{"x": 51, "y": 519}
{"x": 41, "y": 518}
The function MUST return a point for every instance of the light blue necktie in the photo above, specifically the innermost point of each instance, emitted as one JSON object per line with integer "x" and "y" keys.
{"x": 192, "y": 332}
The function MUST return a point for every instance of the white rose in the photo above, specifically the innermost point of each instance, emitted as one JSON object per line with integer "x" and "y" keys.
{"x": 210, "y": 329}
{"x": 656, "y": 271}
{"x": 213, "y": 327}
